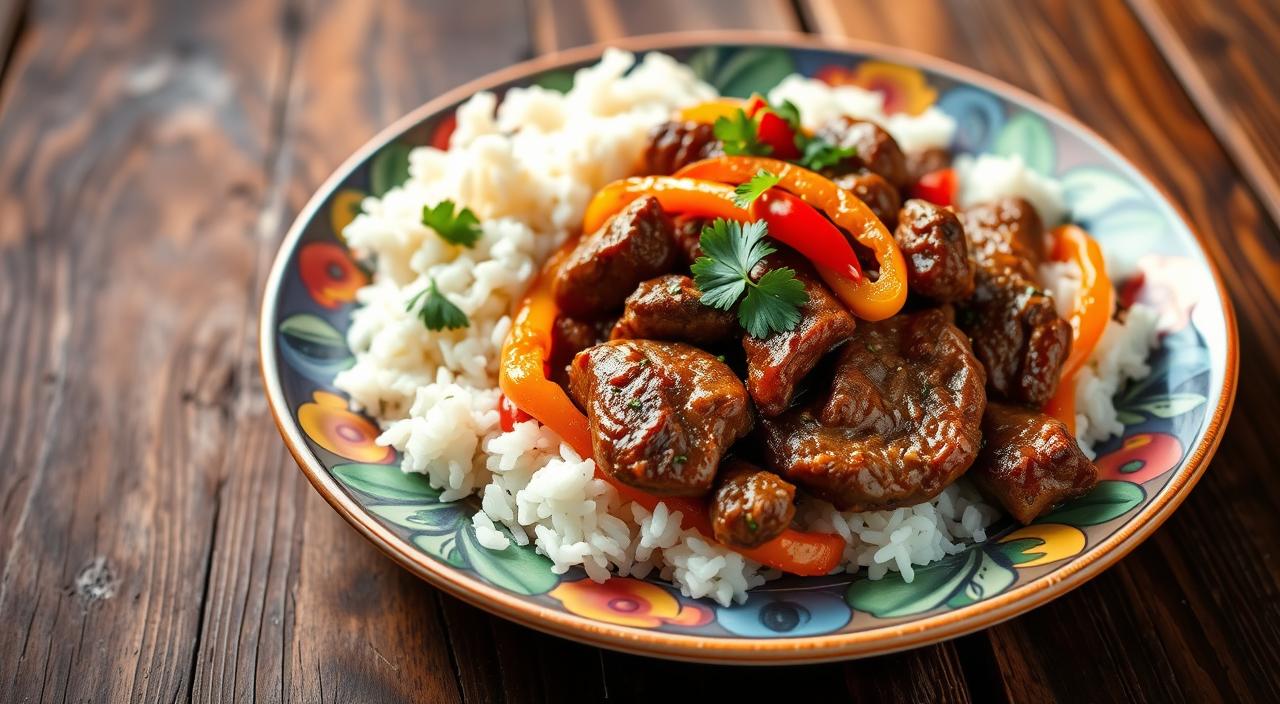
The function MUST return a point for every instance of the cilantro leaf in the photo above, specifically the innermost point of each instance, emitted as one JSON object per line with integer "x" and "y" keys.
{"x": 820, "y": 154}
{"x": 773, "y": 304}
{"x": 437, "y": 311}
{"x": 723, "y": 273}
{"x": 461, "y": 229}
{"x": 738, "y": 135}
{"x": 745, "y": 194}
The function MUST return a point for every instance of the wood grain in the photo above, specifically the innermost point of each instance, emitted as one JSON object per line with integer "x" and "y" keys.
{"x": 1161, "y": 619}
{"x": 1225, "y": 55}
{"x": 138, "y": 145}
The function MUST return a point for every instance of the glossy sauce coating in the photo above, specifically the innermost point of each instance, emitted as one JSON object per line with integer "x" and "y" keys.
{"x": 751, "y": 506}
{"x": 778, "y": 362}
{"x": 900, "y": 422}
{"x": 661, "y": 414}
{"x": 606, "y": 265}
{"x": 668, "y": 308}
{"x": 1031, "y": 462}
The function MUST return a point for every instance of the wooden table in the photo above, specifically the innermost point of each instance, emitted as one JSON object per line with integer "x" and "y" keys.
{"x": 157, "y": 541}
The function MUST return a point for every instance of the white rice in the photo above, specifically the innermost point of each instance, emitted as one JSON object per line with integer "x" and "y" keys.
{"x": 527, "y": 168}
{"x": 819, "y": 103}
{"x": 990, "y": 176}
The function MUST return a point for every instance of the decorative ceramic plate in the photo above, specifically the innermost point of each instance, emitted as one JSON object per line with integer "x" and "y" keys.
{"x": 1173, "y": 419}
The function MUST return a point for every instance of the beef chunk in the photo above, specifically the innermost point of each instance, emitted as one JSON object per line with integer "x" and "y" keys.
{"x": 606, "y": 265}
{"x": 901, "y": 421}
{"x": 876, "y": 149}
{"x": 661, "y": 414}
{"x": 1015, "y": 326}
{"x": 673, "y": 145}
{"x": 667, "y": 308}
{"x": 926, "y": 161}
{"x": 751, "y": 506}
{"x": 933, "y": 245}
{"x": 1031, "y": 462}
{"x": 775, "y": 364}
{"x": 880, "y": 196}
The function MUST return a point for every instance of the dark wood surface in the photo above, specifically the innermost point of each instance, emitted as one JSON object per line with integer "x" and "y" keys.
{"x": 156, "y": 541}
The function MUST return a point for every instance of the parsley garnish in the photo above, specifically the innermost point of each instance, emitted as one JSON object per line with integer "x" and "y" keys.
{"x": 746, "y": 193}
{"x": 680, "y": 459}
{"x": 738, "y": 135}
{"x": 820, "y": 154}
{"x": 437, "y": 311}
{"x": 751, "y": 524}
{"x": 634, "y": 404}
{"x": 730, "y": 251}
{"x": 461, "y": 229}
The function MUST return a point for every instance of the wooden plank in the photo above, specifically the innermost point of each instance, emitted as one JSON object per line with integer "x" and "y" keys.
{"x": 327, "y": 617}
{"x": 560, "y": 24}
{"x": 1225, "y": 55}
{"x": 1161, "y": 623}
{"x": 131, "y": 185}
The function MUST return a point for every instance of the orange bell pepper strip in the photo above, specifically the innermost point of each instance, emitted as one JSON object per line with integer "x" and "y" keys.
{"x": 709, "y": 111}
{"x": 524, "y": 382}
{"x": 1090, "y": 312}
{"x": 869, "y": 300}
{"x": 677, "y": 195}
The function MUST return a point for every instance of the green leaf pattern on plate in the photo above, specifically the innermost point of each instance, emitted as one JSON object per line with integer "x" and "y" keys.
{"x": 444, "y": 530}
{"x": 389, "y": 168}
{"x": 955, "y": 581}
{"x": 743, "y": 72}
{"x": 1026, "y": 135}
{"x": 1108, "y": 500}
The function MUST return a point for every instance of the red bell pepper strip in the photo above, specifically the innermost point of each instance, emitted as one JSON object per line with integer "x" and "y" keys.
{"x": 523, "y": 380}
{"x": 869, "y": 300}
{"x": 1090, "y": 312}
{"x": 938, "y": 187}
{"x": 796, "y": 223}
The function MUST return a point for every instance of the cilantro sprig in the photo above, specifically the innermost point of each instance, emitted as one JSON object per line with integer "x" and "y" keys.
{"x": 723, "y": 274}
{"x": 746, "y": 193}
{"x": 739, "y": 136}
{"x": 437, "y": 311}
{"x": 462, "y": 228}
{"x": 818, "y": 154}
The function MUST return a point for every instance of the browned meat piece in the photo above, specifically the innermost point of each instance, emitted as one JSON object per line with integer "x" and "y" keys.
{"x": 667, "y": 308}
{"x": 1015, "y": 327}
{"x": 1005, "y": 234}
{"x": 689, "y": 237}
{"x": 776, "y": 363}
{"x": 570, "y": 336}
{"x": 673, "y": 145}
{"x": 880, "y": 196}
{"x": 661, "y": 414}
{"x": 877, "y": 151}
{"x": 933, "y": 245}
{"x": 926, "y": 161}
{"x": 751, "y": 506}
{"x": 1030, "y": 462}
{"x": 901, "y": 421}
{"x": 606, "y": 265}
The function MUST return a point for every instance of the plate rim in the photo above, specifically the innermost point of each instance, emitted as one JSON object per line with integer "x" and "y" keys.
{"x": 742, "y": 650}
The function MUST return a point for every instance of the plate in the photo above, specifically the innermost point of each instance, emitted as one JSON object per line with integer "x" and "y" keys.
{"x": 1173, "y": 419}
